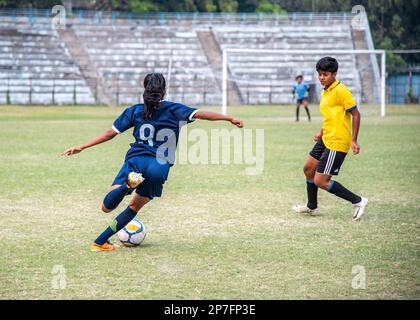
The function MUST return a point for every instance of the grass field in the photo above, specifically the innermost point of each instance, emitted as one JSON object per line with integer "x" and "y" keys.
{"x": 216, "y": 233}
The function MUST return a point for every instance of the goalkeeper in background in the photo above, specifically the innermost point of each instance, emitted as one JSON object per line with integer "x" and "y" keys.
{"x": 301, "y": 92}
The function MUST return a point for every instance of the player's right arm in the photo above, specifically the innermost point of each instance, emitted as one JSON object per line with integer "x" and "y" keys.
{"x": 213, "y": 116}
{"x": 105, "y": 136}
{"x": 184, "y": 113}
{"x": 318, "y": 135}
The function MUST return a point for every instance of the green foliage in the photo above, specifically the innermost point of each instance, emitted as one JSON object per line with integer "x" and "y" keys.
{"x": 143, "y": 6}
{"x": 8, "y": 96}
{"x": 266, "y": 6}
{"x": 74, "y": 94}
{"x": 394, "y": 62}
{"x": 396, "y": 26}
{"x": 178, "y": 6}
{"x": 410, "y": 97}
{"x": 206, "y": 6}
{"x": 390, "y": 31}
{"x": 45, "y": 4}
{"x": 228, "y": 5}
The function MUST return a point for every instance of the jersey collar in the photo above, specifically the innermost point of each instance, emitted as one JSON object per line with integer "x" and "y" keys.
{"x": 333, "y": 85}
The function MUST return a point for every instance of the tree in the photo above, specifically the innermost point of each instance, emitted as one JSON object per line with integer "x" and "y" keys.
{"x": 143, "y": 6}
{"x": 266, "y": 6}
{"x": 228, "y": 5}
{"x": 206, "y": 5}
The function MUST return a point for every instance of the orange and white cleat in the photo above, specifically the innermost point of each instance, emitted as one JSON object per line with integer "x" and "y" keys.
{"x": 107, "y": 246}
{"x": 134, "y": 179}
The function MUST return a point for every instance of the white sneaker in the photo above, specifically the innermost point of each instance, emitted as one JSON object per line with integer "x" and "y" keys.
{"x": 134, "y": 179}
{"x": 300, "y": 208}
{"x": 359, "y": 209}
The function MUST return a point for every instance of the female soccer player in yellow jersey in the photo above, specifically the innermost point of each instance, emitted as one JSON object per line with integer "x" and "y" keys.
{"x": 340, "y": 128}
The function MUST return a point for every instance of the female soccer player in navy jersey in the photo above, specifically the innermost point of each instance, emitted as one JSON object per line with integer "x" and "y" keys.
{"x": 156, "y": 129}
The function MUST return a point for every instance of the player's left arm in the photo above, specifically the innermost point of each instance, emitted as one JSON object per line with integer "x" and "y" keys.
{"x": 349, "y": 104}
{"x": 355, "y": 125}
{"x": 121, "y": 124}
{"x": 213, "y": 116}
{"x": 105, "y": 136}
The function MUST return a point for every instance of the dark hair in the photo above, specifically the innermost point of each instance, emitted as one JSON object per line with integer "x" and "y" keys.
{"x": 299, "y": 76}
{"x": 328, "y": 64}
{"x": 154, "y": 91}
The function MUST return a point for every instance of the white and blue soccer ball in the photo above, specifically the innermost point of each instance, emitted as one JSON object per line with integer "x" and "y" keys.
{"x": 133, "y": 233}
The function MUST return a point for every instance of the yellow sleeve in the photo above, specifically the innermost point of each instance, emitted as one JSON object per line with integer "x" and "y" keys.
{"x": 346, "y": 99}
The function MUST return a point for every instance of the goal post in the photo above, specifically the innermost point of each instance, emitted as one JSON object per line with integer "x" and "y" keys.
{"x": 229, "y": 51}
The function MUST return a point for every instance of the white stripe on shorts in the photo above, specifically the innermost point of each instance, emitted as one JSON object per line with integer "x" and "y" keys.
{"x": 330, "y": 162}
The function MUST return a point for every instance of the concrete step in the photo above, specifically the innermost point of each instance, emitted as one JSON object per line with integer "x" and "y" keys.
{"x": 87, "y": 68}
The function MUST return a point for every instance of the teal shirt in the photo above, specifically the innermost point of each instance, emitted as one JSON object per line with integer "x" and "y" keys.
{"x": 301, "y": 89}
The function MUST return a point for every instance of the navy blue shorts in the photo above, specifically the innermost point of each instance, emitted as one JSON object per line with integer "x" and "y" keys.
{"x": 154, "y": 173}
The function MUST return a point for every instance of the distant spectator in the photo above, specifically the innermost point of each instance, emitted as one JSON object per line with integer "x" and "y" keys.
{"x": 301, "y": 92}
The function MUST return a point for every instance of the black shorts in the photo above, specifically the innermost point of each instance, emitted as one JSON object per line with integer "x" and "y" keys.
{"x": 301, "y": 100}
{"x": 329, "y": 161}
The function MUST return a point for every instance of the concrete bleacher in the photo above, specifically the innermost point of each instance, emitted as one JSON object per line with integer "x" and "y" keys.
{"x": 35, "y": 67}
{"x": 267, "y": 77}
{"x": 104, "y": 60}
{"x": 125, "y": 53}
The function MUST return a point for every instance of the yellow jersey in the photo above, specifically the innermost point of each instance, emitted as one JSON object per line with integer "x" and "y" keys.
{"x": 336, "y": 102}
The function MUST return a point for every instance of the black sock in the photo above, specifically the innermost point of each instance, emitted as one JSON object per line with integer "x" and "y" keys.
{"x": 312, "y": 190}
{"x": 297, "y": 112}
{"x": 307, "y": 112}
{"x": 337, "y": 189}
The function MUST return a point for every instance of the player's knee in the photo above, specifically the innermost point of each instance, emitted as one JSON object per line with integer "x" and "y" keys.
{"x": 105, "y": 209}
{"x": 308, "y": 171}
{"x": 320, "y": 182}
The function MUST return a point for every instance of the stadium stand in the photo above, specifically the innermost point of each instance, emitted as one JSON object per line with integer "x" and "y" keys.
{"x": 36, "y": 67}
{"x": 124, "y": 53}
{"x": 103, "y": 57}
{"x": 266, "y": 78}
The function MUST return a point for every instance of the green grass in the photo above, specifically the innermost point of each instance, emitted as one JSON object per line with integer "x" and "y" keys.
{"x": 216, "y": 233}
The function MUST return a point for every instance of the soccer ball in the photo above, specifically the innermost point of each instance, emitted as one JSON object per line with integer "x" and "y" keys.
{"x": 133, "y": 233}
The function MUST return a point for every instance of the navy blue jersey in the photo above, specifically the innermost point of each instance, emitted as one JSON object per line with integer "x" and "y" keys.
{"x": 157, "y": 137}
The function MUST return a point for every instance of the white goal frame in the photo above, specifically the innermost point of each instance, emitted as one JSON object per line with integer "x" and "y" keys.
{"x": 226, "y": 51}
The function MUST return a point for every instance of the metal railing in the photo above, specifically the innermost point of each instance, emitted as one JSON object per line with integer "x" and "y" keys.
{"x": 163, "y": 18}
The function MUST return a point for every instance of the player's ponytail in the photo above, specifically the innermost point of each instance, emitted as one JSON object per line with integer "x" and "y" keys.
{"x": 154, "y": 91}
